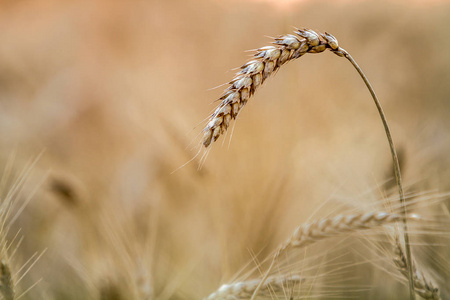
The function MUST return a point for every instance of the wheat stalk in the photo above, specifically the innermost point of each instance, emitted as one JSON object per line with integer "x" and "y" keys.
{"x": 245, "y": 289}
{"x": 422, "y": 286}
{"x": 268, "y": 60}
{"x": 396, "y": 164}
{"x": 310, "y": 233}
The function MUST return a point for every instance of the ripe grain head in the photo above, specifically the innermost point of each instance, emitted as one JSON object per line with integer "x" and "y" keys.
{"x": 267, "y": 60}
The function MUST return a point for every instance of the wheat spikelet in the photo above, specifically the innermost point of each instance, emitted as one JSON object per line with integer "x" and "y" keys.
{"x": 6, "y": 283}
{"x": 252, "y": 74}
{"x": 422, "y": 287}
{"x": 245, "y": 289}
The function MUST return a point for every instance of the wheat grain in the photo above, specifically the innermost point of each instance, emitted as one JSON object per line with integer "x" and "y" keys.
{"x": 422, "y": 286}
{"x": 252, "y": 74}
{"x": 245, "y": 289}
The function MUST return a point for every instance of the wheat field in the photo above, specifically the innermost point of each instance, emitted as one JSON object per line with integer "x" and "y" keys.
{"x": 127, "y": 173}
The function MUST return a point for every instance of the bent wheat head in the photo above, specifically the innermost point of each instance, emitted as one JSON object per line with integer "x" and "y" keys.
{"x": 252, "y": 74}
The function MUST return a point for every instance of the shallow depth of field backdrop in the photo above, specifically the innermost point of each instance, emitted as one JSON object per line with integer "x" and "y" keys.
{"x": 109, "y": 94}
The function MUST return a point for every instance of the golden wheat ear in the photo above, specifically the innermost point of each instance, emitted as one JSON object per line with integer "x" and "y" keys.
{"x": 252, "y": 75}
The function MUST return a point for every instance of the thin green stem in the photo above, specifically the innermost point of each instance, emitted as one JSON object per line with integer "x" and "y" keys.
{"x": 398, "y": 176}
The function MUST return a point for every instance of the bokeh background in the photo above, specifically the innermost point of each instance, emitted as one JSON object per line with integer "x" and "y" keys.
{"x": 110, "y": 97}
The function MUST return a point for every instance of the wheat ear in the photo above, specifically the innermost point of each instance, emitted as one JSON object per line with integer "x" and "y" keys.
{"x": 396, "y": 164}
{"x": 245, "y": 289}
{"x": 310, "y": 233}
{"x": 422, "y": 287}
{"x": 267, "y": 60}
{"x": 6, "y": 282}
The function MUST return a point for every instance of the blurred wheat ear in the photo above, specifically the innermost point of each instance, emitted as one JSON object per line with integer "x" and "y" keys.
{"x": 6, "y": 282}
{"x": 268, "y": 60}
{"x": 307, "y": 234}
{"x": 245, "y": 289}
{"x": 422, "y": 286}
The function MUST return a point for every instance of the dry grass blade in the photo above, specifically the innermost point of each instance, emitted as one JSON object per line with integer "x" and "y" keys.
{"x": 245, "y": 289}
{"x": 252, "y": 74}
{"x": 422, "y": 286}
{"x": 6, "y": 282}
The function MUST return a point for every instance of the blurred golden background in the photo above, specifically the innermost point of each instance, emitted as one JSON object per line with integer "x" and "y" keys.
{"x": 109, "y": 94}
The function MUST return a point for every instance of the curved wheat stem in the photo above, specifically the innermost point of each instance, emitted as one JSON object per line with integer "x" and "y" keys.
{"x": 245, "y": 289}
{"x": 396, "y": 164}
{"x": 422, "y": 286}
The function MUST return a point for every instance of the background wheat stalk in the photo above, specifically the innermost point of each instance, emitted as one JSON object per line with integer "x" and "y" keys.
{"x": 307, "y": 234}
{"x": 304, "y": 235}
